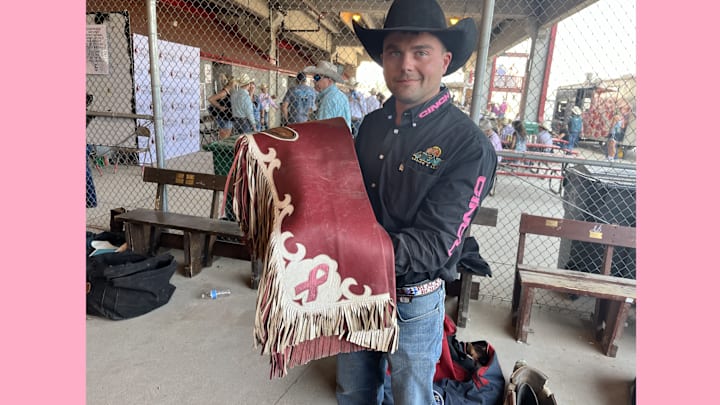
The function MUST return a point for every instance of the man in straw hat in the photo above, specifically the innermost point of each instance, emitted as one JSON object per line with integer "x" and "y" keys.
{"x": 331, "y": 101}
{"x": 242, "y": 106}
{"x": 426, "y": 168}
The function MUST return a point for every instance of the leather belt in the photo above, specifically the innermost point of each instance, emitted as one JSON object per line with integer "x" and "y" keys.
{"x": 420, "y": 289}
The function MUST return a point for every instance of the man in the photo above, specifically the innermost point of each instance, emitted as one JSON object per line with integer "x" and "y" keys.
{"x": 298, "y": 103}
{"x": 331, "y": 101}
{"x": 371, "y": 102}
{"x": 544, "y": 137}
{"x": 242, "y": 105}
{"x": 489, "y": 131}
{"x": 426, "y": 168}
{"x": 357, "y": 106}
{"x": 574, "y": 127}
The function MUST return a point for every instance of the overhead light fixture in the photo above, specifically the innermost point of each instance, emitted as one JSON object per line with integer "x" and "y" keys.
{"x": 454, "y": 20}
{"x": 356, "y": 17}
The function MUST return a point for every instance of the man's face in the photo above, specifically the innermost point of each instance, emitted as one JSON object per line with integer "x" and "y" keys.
{"x": 321, "y": 82}
{"x": 413, "y": 66}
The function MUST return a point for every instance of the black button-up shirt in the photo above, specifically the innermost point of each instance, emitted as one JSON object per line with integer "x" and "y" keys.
{"x": 425, "y": 178}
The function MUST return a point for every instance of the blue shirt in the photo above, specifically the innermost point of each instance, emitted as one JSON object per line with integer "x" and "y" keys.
{"x": 333, "y": 103}
{"x": 242, "y": 106}
{"x": 300, "y": 99}
{"x": 545, "y": 138}
{"x": 575, "y": 124}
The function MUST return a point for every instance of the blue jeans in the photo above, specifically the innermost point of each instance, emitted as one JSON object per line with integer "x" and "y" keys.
{"x": 572, "y": 140}
{"x": 361, "y": 375}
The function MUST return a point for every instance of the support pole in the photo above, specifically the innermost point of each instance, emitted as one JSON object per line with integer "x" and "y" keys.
{"x": 482, "y": 56}
{"x": 156, "y": 95}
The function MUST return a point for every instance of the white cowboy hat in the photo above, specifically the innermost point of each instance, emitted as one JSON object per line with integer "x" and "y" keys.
{"x": 576, "y": 110}
{"x": 325, "y": 68}
{"x": 484, "y": 125}
{"x": 243, "y": 80}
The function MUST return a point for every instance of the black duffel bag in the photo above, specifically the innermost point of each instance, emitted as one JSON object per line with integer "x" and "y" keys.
{"x": 127, "y": 284}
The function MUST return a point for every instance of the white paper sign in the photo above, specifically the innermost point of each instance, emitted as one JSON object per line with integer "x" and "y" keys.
{"x": 96, "y": 50}
{"x": 208, "y": 73}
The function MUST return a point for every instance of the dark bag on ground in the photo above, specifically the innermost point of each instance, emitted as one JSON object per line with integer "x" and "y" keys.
{"x": 467, "y": 373}
{"x": 127, "y": 284}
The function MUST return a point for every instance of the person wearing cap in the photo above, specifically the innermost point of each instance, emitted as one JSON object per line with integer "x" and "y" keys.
{"x": 331, "y": 101}
{"x": 426, "y": 167}
{"x": 242, "y": 105}
{"x": 299, "y": 102}
{"x": 575, "y": 125}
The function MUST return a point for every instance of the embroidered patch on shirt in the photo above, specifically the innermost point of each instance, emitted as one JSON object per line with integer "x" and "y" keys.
{"x": 430, "y": 157}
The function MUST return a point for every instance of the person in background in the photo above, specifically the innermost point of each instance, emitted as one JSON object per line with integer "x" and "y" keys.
{"x": 242, "y": 105}
{"x": 507, "y": 131}
{"x": 357, "y": 105}
{"x": 256, "y": 105}
{"x": 266, "y": 101}
{"x": 381, "y": 98}
{"x": 520, "y": 136}
{"x": 221, "y": 109}
{"x": 371, "y": 102}
{"x": 615, "y": 136}
{"x": 426, "y": 167}
{"x": 574, "y": 128}
{"x": 502, "y": 109}
{"x": 331, "y": 101}
{"x": 299, "y": 102}
{"x": 487, "y": 128}
{"x": 544, "y": 137}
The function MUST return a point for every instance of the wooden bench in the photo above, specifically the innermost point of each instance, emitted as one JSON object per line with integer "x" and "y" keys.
{"x": 144, "y": 226}
{"x": 465, "y": 288}
{"x": 614, "y": 295}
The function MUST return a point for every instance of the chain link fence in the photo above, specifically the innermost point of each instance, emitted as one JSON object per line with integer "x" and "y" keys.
{"x": 544, "y": 58}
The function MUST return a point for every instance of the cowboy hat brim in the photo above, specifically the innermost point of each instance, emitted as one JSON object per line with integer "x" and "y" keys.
{"x": 333, "y": 74}
{"x": 460, "y": 39}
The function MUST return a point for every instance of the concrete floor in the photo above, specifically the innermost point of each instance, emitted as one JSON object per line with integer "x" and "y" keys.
{"x": 194, "y": 351}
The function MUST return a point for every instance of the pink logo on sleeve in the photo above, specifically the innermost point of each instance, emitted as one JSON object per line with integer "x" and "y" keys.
{"x": 474, "y": 203}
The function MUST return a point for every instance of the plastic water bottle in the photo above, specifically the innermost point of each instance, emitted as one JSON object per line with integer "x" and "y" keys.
{"x": 215, "y": 294}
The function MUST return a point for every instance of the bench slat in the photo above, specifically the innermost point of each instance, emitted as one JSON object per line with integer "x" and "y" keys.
{"x": 182, "y": 222}
{"x": 592, "y": 286}
{"x": 627, "y": 282}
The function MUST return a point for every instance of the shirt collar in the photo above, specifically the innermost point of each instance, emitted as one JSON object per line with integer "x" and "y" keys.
{"x": 326, "y": 90}
{"x": 424, "y": 111}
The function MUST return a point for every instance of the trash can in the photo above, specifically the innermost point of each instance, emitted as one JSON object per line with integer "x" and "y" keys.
{"x": 223, "y": 153}
{"x": 599, "y": 194}
{"x": 531, "y": 127}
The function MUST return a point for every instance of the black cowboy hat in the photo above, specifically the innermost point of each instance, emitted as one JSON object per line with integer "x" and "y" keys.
{"x": 422, "y": 16}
